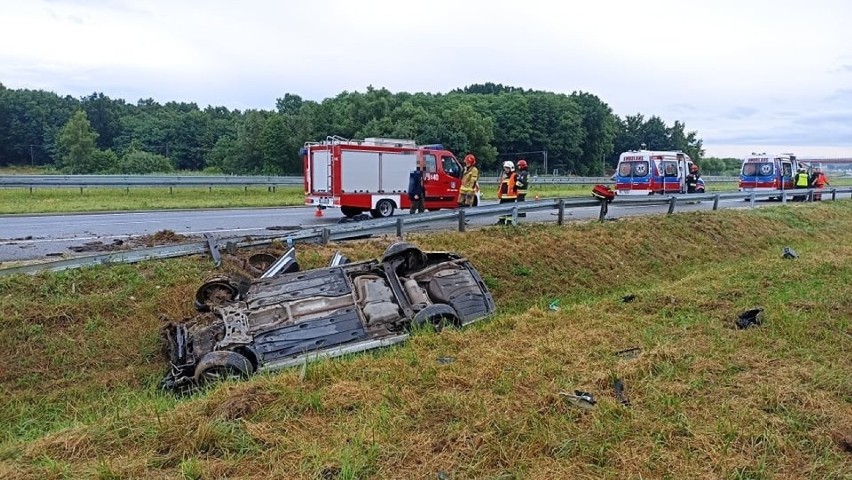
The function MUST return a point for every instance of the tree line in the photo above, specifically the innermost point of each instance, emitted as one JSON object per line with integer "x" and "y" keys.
{"x": 98, "y": 134}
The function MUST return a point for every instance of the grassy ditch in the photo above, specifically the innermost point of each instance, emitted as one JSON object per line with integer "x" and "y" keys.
{"x": 79, "y": 395}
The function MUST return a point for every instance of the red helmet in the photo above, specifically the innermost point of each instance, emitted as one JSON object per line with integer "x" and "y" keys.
{"x": 469, "y": 160}
{"x": 522, "y": 164}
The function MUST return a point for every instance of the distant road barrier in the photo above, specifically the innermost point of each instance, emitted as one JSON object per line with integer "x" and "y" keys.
{"x": 126, "y": 181}
{"x": 398, "y": 225}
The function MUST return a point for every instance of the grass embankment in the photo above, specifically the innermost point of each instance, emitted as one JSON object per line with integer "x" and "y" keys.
{"x": 79, "y": 379}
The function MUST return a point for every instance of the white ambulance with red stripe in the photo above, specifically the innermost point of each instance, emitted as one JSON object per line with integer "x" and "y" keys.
{"x": 371, "y": 175}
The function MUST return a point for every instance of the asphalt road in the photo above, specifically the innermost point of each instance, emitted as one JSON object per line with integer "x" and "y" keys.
{"x": 28, "y": 237}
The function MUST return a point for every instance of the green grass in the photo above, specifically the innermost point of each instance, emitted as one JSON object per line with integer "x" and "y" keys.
{"x": 65, "y": 200}
{"x": 79, "y": 396}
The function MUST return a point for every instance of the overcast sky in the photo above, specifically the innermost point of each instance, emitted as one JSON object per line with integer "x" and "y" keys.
{"x": 748, "y": 75}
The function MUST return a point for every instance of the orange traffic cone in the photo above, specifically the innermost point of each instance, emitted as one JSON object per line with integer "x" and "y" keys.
{"x": 318, "y": 212}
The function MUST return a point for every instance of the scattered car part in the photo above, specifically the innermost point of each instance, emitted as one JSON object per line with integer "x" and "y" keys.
{"x": 628, "y": 298}
{"x": 789, "y": 253}
{"x": 214, "y": 251}
{"x": 618, "y": 388}
{"x": 631, "y": 352}
{"x": 291, "y": 318}
{"x": 338, "y": 259}
{"x": 580, "y": 398}
{"x": 749, "y": 318}
{"x": 285, "y": 263}
{"x": 554, "y": 305}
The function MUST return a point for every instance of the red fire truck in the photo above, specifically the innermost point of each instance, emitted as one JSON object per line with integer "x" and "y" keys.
{"x": 372, "y": 175}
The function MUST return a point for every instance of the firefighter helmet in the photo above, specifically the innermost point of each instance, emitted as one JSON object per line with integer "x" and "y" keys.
{"x": 522, "y": 164}
{"x": 470, "y": 160}
{"x": 508, "y": 164}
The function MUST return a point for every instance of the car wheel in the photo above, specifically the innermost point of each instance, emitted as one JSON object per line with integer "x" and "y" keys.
{"x": 414, "y": 258}
{"x": 438, "y": 316}
{"x": 214, "y": 292}
{"x": 351, "y": 211}
{"x": 222, "y": 365}
{"x": 383, "y": 209}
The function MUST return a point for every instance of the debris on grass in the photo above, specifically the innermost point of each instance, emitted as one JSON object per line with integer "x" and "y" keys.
{"x": 580, "y": 399}
{"x": 445, "y": 360}
{"x": 628, "y": 298}
{"x": 618, "y": 387}
{"x": 749, "y": 318}
{"x": 554, "y": 305}
{"x": 789, "y": 253}
{"x": 629, "y": 353}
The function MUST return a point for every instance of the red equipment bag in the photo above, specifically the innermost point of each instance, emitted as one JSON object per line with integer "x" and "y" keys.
{"x": 603, "y": 192}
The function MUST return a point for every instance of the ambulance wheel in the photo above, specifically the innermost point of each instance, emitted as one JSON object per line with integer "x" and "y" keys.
{"x": 351, "y": 211}
{"x": 383, "y": 209}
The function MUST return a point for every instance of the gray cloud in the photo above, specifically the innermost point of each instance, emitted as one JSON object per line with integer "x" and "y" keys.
{"x": 741, "y": 112}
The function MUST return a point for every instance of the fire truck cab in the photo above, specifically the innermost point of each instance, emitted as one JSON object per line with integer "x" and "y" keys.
{"x": 646, "y": 172}
{"x": 761, "y": 171}
{"x": 371, "y": 175}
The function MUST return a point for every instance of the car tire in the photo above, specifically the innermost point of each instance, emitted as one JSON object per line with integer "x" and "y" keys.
{"x": 384, "y": 208}
{"x": 215, "y": 292}
{"x": 222, "y": 365}
{"x": 436, "y": 315}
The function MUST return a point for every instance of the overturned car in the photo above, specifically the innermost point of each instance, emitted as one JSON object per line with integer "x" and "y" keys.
{"x": 287, "y": 317}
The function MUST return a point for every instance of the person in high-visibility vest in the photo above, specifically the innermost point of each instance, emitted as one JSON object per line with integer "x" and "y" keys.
{"x": 801, "y": 180}
{"x": 467, "y": 191}
{"x": 507, "y": 191}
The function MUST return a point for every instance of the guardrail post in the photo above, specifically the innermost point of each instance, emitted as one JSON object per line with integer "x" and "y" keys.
{"x": 514, "y": 215}
{"x": 326, "y": 235}
{"x": 210, "y": 189}
{"x": 171, "y": 189}
{"x": 833, "y": 194}
{"x": 560, "y": 215}
{"x": 810, "y": 195}
{"x": 751, "y": 200}
{"x": 461, "y": 220}
{"x": 245, "y": 188}
{"x": 399, "y": 225}
{"x": 672, "y": 201}
{"x": 716, "y": 202}
{"x": 784, "y": 197}
{"x": 31, "y": 190}
{"x": 127, "y": 189}
{"x": 602, "y": 214}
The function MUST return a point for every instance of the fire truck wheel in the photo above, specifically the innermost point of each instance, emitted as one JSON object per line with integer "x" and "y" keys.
{"x": 351, "y": 211}
{"x": 383, "y": 209}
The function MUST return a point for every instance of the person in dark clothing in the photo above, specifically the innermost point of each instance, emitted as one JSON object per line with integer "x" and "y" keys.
{"x": 694, "y": 183}
{"x": 416, "y": 190}
{"x": 522, "y": 182}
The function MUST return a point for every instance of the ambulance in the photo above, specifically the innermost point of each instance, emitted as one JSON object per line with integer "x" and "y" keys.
{"x": 648, "y": 172}
{"x": 762, "y": 172}
{"x": 371, "y": 175}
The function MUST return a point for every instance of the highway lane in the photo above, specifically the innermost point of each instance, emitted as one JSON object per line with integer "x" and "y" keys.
{"x": 27, "y": 237}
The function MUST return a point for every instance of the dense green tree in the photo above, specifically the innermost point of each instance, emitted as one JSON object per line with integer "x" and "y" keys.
{"x": 136, "y": 162}
{"x": 76, "y": 146}
{"x": 490, "y": 120}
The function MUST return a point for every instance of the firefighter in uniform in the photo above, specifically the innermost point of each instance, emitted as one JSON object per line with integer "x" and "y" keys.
{"x": 507, "y": 191}
{"x": 522, "y": 182}
{"x": 467, "y": 191}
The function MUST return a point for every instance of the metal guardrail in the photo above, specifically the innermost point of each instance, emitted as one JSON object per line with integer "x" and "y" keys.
{"x": 126, "y": 181}
{"x": 398, "y": 225}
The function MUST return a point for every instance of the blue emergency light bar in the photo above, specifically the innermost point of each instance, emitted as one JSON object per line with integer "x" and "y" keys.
{"x": 435, "y": 146}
